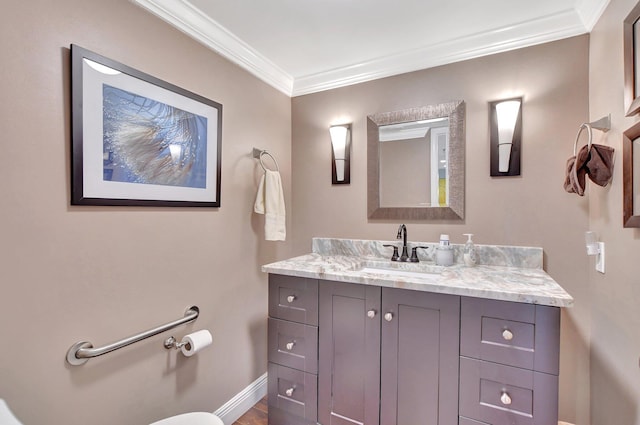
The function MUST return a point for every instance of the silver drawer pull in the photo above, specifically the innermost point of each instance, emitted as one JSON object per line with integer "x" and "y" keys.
{"x": 289, "y": 392}
{"x": 505, "y": 398}
{"x": 388, "y": 317}
{"x": 290, "y": 345}
{"x": 507, "y": 335}
{"x": 371, "y": 314}
{"x": 291, "y": 298}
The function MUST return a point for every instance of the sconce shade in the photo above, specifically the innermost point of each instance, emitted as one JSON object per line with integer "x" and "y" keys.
{"x": 507, "y": 113}
{"x": 506, "y": 133}
{"x": 340, "y": 153}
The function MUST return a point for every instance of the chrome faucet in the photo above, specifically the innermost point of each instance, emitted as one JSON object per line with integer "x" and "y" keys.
{"x": 402, "y": 233}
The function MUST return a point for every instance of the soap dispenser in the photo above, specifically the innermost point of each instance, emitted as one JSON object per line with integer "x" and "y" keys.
{"x": 470, "y": 256}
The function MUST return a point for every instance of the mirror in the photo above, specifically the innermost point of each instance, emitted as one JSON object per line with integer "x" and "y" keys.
{"x": 631, "y": 176}
{"x": 415, "y": 164}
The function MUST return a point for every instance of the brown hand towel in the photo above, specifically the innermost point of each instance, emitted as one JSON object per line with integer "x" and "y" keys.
{"x": 600, "y": 164}
{"x": 595, "y": 161}
{"x": 578, "y": 171}
{"x": 567, "y": 177}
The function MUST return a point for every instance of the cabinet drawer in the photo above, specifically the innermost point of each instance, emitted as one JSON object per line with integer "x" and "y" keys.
{"x": 498, "y": 394}
{"x": 292, "y": 392}
{"x": 294, "y": 345}
{"x": 515, "y": 334}
{"x": 293, "y": 298}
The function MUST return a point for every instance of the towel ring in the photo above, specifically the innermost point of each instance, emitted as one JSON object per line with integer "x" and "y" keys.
{"x": 603, "y": 124}
{"x": 264, "y": 167}
{"x": 575, "y": 145}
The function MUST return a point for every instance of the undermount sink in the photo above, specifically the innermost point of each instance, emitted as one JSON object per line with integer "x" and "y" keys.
{"x": 410, "y": 270}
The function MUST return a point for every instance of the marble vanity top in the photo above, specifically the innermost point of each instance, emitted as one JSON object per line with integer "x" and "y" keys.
{"x": 503, "y": 273}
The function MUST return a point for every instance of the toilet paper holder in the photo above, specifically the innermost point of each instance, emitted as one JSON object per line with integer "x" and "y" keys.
{"x": 191, "y": 343}
{"x": 172, "y": 342}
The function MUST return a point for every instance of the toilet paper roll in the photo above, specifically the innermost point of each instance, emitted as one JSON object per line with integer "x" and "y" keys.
{"x": 195, "y": 342}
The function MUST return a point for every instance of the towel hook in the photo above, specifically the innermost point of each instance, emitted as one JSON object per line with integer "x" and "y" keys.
{"x": 258, "y": 153}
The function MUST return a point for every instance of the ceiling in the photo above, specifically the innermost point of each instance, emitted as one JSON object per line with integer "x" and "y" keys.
{"x": 306, "y": 46}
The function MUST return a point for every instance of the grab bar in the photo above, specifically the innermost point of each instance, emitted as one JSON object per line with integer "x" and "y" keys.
{"x": 82, "y": 351}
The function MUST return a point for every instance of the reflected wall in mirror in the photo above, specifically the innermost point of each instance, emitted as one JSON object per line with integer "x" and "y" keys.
{"x": 631, "y": 176}
{"x": 415, "y": 164}
{"x": 420, "y": 146}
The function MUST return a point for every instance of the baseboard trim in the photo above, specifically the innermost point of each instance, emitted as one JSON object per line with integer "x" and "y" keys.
{"x": 243, "y": 401}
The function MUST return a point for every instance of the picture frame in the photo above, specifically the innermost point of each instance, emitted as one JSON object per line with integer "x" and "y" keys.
{"x": 140, "y": 141}
{"x": 631, "y": 43}
{"x": 631, "y": 176}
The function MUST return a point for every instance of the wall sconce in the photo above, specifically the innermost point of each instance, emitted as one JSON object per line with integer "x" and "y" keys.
{"x": 340, "y": 153}
{"x": 505, "y": 117}
{"x": 595, "y": 248}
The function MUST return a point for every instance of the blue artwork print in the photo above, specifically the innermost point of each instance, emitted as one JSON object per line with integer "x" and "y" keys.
{"x": 150, "y": 142}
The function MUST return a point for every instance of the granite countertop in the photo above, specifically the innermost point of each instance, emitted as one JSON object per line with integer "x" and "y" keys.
{"x": 530, "y": 284}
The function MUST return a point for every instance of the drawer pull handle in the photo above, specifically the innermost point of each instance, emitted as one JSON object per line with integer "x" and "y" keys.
{"x": 371, "y": 314}
{"x": 289, "y": 392}
{"x": 291, "y": 298}
{"x": 505, "y": 398}
{"x": 507, "y": 335}
{"x": 388, "y": 317}
{"x": 290, "y": 345}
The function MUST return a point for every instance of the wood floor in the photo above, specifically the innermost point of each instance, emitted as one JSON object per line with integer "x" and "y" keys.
{"x": 257, "y": 415}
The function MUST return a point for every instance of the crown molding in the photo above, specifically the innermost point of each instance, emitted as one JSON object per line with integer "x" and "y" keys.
{"x": 590, "y": 11}
{"x": 190, "y": 20}
{"x": 550, "y": 28}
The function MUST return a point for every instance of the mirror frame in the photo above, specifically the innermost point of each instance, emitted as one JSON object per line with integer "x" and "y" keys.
{"x": 455, "y": 111}
{"x": 628, "y": 137}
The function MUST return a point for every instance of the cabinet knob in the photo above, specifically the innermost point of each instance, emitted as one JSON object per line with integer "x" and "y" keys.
{"x": 505, "y": 398}
{"x": 371, "y": 314}
{"x": 290, "y": 345}
{"x": 388, "y": 317}
{"x": 289, "y": 392}
{"x": 507, "y": 335}
{"x": 291, "y": 298}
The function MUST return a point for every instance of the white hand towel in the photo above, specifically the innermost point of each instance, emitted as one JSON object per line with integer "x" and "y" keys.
{"x": 270, "y": 202}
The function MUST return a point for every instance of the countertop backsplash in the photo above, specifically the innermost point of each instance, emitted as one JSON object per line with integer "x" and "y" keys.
{"x": 488, "y": 255}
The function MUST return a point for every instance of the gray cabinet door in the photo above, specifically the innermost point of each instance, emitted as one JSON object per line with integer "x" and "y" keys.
{"x": 419, "y": 358}
{"x": 349, "y": 354}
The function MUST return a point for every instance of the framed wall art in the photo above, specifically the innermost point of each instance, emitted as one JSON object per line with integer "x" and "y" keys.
{"x": 631, "y": 176}
{"x": 631, "y": 45}
{"x": 138, "y": 140}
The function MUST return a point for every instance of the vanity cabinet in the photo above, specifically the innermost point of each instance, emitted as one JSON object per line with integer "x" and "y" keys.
{"x": 346, "y": 353}
{"x": 387, "y": 356}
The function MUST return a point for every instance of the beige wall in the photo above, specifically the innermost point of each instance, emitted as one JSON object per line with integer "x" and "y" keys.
{"x": 532, "y": 209}
{"x": 615, "y": 375}
{"x": 395, "y": 158}
{"x": 73, "y": 273}
{"x": 100, "y": 274}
